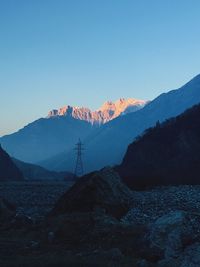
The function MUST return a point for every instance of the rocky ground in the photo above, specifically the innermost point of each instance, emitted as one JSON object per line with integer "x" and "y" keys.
{"x": 149, "y": 205}
{"x": 34, "y": 199}
{"x": 99, "y": 222}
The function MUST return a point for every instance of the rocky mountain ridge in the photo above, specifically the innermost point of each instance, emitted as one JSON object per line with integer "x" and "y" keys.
{"x": 109, "y": 110}
{"x": 60, "y": 130}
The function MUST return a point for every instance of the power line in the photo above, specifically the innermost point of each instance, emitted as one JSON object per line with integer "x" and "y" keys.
{"x": 79, "y": 163}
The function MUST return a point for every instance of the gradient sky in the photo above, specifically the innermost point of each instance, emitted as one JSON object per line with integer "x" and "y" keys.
{"x": 84, "y": 52}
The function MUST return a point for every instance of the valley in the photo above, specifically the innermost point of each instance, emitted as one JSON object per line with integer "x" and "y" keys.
{"x": 99, "y": 133}
{"x": 33, "y": 198}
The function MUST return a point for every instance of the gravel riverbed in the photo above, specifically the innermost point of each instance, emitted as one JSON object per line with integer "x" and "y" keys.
{"x": 34, "y": 199}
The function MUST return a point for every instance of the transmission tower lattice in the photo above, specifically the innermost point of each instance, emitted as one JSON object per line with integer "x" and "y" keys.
{"x": 79, "y": 163}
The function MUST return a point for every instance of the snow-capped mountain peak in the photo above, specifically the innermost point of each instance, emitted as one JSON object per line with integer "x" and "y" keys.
{"x": 123, "y": 105}
{"x": 107, "y": 112}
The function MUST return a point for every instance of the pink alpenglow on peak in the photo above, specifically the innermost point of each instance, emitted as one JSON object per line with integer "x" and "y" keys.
{"x": 123, "y": 106}
{"x": 109, "y": 110}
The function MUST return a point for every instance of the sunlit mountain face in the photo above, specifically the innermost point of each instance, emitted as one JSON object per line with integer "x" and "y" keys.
{"x": 109, "y": 110}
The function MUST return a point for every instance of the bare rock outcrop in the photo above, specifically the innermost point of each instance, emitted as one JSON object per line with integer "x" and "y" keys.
{"x": 98, "y": 190}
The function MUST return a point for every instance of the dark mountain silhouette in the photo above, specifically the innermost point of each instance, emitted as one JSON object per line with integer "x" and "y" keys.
{"x": 168, "y": 153}
{"x": 8, "y": 170}
{"x": 36, "y": 172}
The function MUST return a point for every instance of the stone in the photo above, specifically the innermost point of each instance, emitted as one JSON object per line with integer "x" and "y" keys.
{"x": 101, "y": 190}
{"x": 166, "y": 233}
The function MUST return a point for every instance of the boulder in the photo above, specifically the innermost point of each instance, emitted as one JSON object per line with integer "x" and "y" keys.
{"x": 98, "y": 190}
{"x": 89, "y": 215}
{"x": 165, "y": 233}
{"x": 173, "y": 232}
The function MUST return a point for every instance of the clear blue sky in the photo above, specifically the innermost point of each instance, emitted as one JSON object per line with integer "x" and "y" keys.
{"x": 84, "y": 52}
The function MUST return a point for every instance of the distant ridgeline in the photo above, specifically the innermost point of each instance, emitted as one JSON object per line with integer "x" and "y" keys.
{"x": 168, "y": 153}
{"x": 107, "y": 145}
{"x": 8, "y": 170}
{"x": 106, "y": 133}
{"x": 48, "y": 137}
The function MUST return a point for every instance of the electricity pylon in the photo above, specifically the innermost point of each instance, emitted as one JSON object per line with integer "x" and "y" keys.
{"x": 79, "y": 163}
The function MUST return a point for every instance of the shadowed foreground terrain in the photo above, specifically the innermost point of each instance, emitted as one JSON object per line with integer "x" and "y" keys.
{"x": 99, "y": 221}
{"x": 35, "y": 198}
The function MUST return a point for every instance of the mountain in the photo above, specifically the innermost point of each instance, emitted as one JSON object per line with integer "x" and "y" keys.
{"x": 106, "y": 113}
{"x": 107, "y": 145}
{"x": 60, "y": 130}
{"x": 45, "y": 137}
{"x": 35, "y": 172}
{"x": 168, "y": 153}
{"x": 8, "y": 170}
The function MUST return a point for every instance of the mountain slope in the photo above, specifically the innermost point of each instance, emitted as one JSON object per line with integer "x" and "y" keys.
{"x": 107, "y": 145}
{"x": 169, "y": 153}
{"x": 62, "y": 128}
{"x": 45, "y": 137}
{"x": 35, "y": 172}
{"x": 8, "y": 170}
